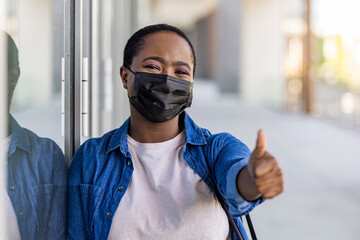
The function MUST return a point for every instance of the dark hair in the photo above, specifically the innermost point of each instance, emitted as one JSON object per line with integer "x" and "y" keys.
{"x": 12, "y": 63}
{"x": 133, "y": 45}
{"x": 12, "y": 50}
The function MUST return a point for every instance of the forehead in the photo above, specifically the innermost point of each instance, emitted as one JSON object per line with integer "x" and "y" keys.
{"x": 166, "y": 44}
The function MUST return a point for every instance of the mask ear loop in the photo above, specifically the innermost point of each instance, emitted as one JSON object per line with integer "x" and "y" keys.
{"x": 130, "y": 70}
{"x": 132, "y": 73}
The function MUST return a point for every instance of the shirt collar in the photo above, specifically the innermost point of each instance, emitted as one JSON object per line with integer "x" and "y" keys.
{"x": 119, "y": 139}
{"x": 194, "y": 135}
{"x": 19, "y": 138}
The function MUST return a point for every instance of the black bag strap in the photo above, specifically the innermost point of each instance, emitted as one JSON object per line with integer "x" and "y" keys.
{"x": 251, "y": 227}
{"x": 232, "y": 222}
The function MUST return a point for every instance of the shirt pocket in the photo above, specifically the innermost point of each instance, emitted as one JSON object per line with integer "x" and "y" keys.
{"x": 49, "y": 204}
{"x": 91, "y": 196}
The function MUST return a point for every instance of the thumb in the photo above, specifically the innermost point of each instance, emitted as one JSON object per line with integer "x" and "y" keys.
{"x": 260, "y": 147}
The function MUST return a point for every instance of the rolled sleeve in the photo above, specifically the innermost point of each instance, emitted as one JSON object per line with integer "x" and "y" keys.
{"x": 237, "y": 204}
{"x": 233, "y": 155}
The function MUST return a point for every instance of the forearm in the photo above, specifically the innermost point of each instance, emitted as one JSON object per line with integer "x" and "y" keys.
{"x": 246, "y": 185}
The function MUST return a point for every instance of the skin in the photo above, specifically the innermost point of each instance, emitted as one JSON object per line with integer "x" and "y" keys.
{"x": 262, "y": 176}
{"x": 168, "y": 53}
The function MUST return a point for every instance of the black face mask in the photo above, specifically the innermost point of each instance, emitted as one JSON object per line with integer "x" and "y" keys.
{"x": 158, "y": 97}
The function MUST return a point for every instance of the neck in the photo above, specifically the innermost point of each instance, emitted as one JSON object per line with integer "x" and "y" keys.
{"x": 145, "y": 131}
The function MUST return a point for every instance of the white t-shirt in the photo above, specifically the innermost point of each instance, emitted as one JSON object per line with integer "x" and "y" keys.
{"x": 166, "y": 199}
{"x": 12, "y": 228}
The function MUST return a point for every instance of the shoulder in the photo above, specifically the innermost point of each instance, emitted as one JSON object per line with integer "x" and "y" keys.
{"x": 219, "y": 139}
{"x": 43, "y": 156}
{"x": 30, "y": 141}
{"x": 223, "y": 139}
{"x": 214, "y": 143}
{"x": 94, "y": 146}
{"x": 42, "y": 145}
{"x": 98, "y": 143}
{"x": 108, "y": 142}
{"x": 91, "y": 159}
{"x": 226, "y": 143}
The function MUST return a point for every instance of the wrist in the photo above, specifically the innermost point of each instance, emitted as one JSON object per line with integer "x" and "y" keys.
{"x": 246, "y": 185}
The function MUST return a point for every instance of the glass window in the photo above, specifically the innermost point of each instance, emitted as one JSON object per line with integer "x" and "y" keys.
{"x": 36, "y": 170}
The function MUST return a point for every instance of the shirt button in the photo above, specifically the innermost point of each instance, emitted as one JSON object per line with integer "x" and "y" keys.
{"x": 12, "y": 188}
{"x": 109, "y": 214}
{"x": 129, "y": 162}
{"x": 120, "y": 189}
{"x": 20, "y": 214}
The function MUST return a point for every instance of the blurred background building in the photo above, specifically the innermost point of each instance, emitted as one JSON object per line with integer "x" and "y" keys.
{"x": 302, "y": 56}
{"x": 296, "y": 58}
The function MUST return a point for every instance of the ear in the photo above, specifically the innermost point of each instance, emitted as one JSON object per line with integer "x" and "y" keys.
{"x": 124, "y": 74}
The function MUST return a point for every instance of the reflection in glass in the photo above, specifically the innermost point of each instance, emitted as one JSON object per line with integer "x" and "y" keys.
{"x": 36, "y": 173}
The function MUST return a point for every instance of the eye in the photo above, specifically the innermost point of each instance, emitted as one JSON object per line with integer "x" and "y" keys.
{"x": 152, "y": 67}
{"x": 182, "y": 72}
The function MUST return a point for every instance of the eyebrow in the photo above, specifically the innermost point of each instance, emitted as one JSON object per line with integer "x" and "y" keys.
{"x": 181, "y": 63}
{"x": 161, "y": 60}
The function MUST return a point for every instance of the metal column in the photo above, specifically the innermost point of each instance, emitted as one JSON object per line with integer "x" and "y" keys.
{"x": 308, "y": 81}
{"x": 72, "y": 77}
{"x": 3, "y": 120}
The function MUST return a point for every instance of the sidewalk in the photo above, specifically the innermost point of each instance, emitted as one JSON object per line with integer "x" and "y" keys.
{"x": 321, "y": 165}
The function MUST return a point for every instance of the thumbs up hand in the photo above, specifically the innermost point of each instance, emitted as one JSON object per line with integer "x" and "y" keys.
{"x": 265, "y": 170}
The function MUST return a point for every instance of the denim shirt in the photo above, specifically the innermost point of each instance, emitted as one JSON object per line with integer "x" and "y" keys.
{"x": 101, "y": 170}
{"x": 36, "y": 184}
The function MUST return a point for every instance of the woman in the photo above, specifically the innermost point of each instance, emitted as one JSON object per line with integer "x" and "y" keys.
{"x": 157, "y": 176}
